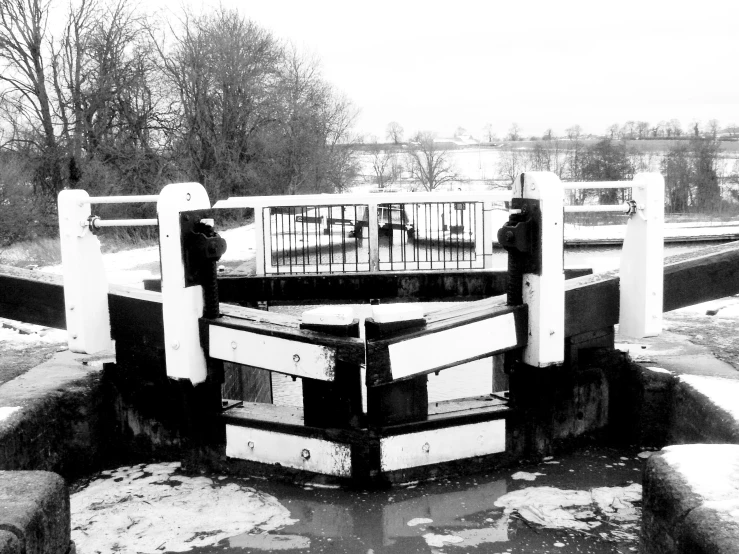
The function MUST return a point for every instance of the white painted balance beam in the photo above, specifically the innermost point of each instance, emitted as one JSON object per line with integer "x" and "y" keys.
{"x": 462, "y": 335}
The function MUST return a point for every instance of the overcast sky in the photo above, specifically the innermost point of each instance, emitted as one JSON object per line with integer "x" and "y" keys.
{"x": 433, "y": 65}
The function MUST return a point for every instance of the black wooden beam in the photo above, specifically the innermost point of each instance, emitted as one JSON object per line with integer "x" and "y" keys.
{"x": 386, "y": 286}
{"x": 32, "y": 296}
{"x": 592, "y": 302}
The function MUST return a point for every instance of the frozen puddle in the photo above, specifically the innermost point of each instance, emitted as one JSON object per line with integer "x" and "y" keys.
{"x": 153, "y": 509}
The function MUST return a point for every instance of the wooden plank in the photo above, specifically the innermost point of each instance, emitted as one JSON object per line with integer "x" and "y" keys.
{"x": 469, "y": 335}
{"x": 303, "y": 453}
{"x": 592, "y": 302}
{"x": 32, "y": 296}
{"x": 242, "y": 382}
{"x": 273, "y": 353}
{"x": 442, "y": 445}
{"x": 689, "y": 280}
{"x": 337, "y": 403}
{"x": 286, "y": 329}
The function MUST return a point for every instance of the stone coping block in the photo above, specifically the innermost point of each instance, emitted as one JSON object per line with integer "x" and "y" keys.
{"x": 34, "y": 513}
{"x": 691, "y": 500}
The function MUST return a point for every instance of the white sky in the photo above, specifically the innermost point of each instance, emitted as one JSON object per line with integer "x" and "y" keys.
{"x": 433, "y": 65}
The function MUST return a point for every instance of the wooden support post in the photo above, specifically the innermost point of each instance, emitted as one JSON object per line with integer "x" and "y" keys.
{"x": 641, "y": 272}
{"x": 543, "y": 287}
{"x": 337, "y": 403}
{"x": 85, "y": 283}
{"x": 400, "y": 401}
{"x": 182, "y": 306}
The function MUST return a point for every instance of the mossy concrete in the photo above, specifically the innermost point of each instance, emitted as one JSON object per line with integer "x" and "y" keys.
{"x": 684, "y": 515}
{"x": 34, "y": 513}
{"x": 51, "y": 417}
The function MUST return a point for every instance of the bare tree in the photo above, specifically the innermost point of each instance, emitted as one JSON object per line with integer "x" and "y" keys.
{"x": 394, "y": 132}
{"x": 428, "y": 163}
{"x": 642, "y": 129}
{"x": 613, "y": 130}
{"x": 24, "y": 71}
{"x": 574, "y": 132}
{"x": 713, "y": 128}
{"x": 675, "y": 128}
{"x": 489, "y": 133}
{"x": 512, "y": 163}
{"x": 382, "y": 163}
{"x": 514, "y": 133}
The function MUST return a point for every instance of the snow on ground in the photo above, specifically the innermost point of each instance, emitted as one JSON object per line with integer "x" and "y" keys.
{"x": 12, "y": 338}
{"x": 722, "y": 392}
{"x": 131, "y": 267}
{"x": 712, "y": 471}
{"x": 152, "y": 508}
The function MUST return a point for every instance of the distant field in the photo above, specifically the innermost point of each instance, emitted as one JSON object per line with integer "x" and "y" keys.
{"x": 658, "y": 145}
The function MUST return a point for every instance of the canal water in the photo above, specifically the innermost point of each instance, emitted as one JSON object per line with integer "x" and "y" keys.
{"x": 586, "y": 502}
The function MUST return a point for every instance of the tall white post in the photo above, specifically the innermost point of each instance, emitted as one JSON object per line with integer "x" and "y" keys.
{"x": 543, "y": 292}
{"x": 642, "y": 260}
{"x": 373, "y": 232}
{"x": 262, "y": 239}
{"x": 85, "y": 283}
{"x": 181, "y": 306}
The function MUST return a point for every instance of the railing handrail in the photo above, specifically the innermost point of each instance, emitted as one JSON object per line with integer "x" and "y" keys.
{"x": 597, "y": 185}
{"x": 347, "y": 199}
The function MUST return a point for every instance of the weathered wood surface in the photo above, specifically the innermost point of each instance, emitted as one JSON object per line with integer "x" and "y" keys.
{"x": 32, "y": 296}
{"x": 427, "y": 286}
{"x": 276, "y": 342}
{"x": 448, "y": 331}
{"x": 592, "y": 302}
{"x": 691, "y": 279}
{"x": 243, "y": 382}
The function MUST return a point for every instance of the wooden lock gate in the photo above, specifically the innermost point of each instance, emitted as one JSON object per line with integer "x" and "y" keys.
{"x": 400, "y": 436}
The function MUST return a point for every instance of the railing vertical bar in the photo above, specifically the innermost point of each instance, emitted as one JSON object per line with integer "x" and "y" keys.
{"x": 403, "y": 235}
{"x": 319, "y": 244}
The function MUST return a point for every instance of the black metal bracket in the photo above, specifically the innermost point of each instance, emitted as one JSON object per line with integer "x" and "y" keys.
{"x": 520, "y": 234}
{"x": 200, "y": 244}
{"x": 201, "y": 250}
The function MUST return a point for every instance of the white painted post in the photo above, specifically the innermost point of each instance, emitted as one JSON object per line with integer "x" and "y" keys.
{"x": 642, "y": 265}
{"x": 488, "y": 232}
{"x": 373, "y": 230}
{"x": 544, "y": 293}
{"x": 260, "y": 240}
{"x": 181, "y": 306}
{"x": 85, "y": 283}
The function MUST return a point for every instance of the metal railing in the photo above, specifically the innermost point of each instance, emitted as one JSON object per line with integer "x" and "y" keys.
{"x": 371, "y": 232}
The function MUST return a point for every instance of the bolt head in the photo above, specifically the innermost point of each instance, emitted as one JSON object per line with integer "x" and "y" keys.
{"x": 188, "y": 196}
{"x": 296, "y": 358}
{"x": 250, "y": 444}
{"x": 176, "y": 345}
{"x": 233, "y": 345}
{"x": 305, "y": 454}
{"x": 426, "y": 447}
